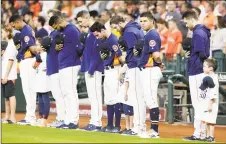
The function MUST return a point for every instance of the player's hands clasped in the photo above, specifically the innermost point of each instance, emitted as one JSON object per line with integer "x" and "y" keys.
{"x": 103, "y": 56}
{"x": 186, "y": 54}
{"x": 135, "y": 52}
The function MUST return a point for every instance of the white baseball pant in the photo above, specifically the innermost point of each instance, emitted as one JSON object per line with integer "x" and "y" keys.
{"x": 93, "y": 85}
{"x": 194, "y": 84}
{"x": 68, "y": 84}
{"x": 27, "y": 74}
{"x": 111, "y": 86}
{"x": 135, "y": 94}
{"x": 58, "y": 96}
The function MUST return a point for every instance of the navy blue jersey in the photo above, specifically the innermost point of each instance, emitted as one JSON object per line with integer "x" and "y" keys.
{"x": 152, "y": 43}
{"x": 68, "y": 56}
{"x": 115, "y": 51}
{"x": 27, "y": 40}
{"x": 41, "y": 33}
{"x": 200, "y": 43}
{"x": 132, "y": 32}
{"x": 52, "y": 56}
{"x": 91, "y": 60}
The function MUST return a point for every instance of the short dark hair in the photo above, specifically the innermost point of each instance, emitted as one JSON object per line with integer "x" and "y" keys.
{"x": 94, "y": 13}
{"x": 116, "y": 19}
{"x": 82, "y": 13}
{"x": 211, "y": 5}
{"x": 97, "y": 26}
{"x": 189, "y": 15}
{"x": 54, "y": 20}
{"x": 42, "y": 20}
{"x": 161, "y": 21}
{"x": 148, "y": 15}
{"x": 212, "y": 63}
{"x": 14, "y": 18}
{"x": 55, "y": 12}
{"x": 198, "y": 10}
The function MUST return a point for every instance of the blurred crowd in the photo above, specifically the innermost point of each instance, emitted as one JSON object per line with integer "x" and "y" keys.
{"x": 168, "y": 15}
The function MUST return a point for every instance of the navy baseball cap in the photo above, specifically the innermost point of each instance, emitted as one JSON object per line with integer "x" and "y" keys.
{"x": 16, "y": 38}
{"x": 4, "y": 45}
{"x": 207, "y": 83}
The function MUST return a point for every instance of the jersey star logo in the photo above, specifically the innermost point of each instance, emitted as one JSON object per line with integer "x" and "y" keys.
{"x": 152, "y": 43}
{"x": 115, "y": 47}
{"x": 26, "y": 39}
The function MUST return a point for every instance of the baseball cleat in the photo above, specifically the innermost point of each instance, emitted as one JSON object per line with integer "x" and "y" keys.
{"x": 9, "y": 122}
{"x": 70, "y": 126}
{"x": 116, "y": 130}
{"x": 23, "y": 122}
{"x": 210, "y": 139}
{"x": 91, "y": 127}
{"x": 55, "y": 123}
{"x": 191, "y": 138}
{"x": 132, "y": 133}
{"x": 61, "y": 126}
{"x": 107, "y": 129}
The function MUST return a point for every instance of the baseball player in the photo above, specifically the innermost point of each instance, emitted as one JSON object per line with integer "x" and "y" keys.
{"x": 209, "y": 99}
{"x": 9, "y": 74}
{"x": 26, "y": 57}
{"x": 200, "y": 50}
{"x": 150, "y": 72}
{"x": 110, "y": 53}
{"x": 53, "y": 73}
{"x": 67, "y": 44}
{"x": 92, "y": 65}
{"x": 131, "y": 33}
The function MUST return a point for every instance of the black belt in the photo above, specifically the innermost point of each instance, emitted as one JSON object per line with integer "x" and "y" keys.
{"x": 108, "y": 67}
{"x": 141, "y": 68}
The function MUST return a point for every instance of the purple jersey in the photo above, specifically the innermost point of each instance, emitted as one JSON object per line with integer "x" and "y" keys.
{"x": 68, "y": 56}
{"x": 91, "y": 60}
{"x": 114, "y": 49}
{"x": 132, "y": 32}
{"x": 200, "y": 44}
{"x": 27, "y": 40}
{"x": 52, "y": 56}
{"x": 152, "y": 43}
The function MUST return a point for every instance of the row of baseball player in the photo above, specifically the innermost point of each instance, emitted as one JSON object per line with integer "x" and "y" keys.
{"x": 69, "y": 51}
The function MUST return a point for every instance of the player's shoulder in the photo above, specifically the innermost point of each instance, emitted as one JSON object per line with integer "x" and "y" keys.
{"x": 152, "y": 34}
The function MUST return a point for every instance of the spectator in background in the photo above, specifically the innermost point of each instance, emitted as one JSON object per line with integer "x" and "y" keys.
{"x": 209, "y": 19}
{"x": 172, "y": 13}
{"x": 40, "y": 30}
{"x": 218, "y": 43}
{"x": 222, "y": 9}
{"x": 79, "y": 5}
{"x": 163, "y": 32}
{"x": 67, "y": 8}
{"x": 197, "y": 3}
{"x": 143, "y": 7}
{"x": 35, "y": 7}
{"x": 106, "y": 16}
{"x": 28, "y": 19}
{"x": 174, "y": 40}
{"x": 24, "y": 8}
{"x": 161, "y": 11}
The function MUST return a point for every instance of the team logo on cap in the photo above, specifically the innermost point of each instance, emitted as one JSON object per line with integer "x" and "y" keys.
{"x": 115, "y": 47}
{"x": 152, "y": 43}
{"x": 26, "y": 39}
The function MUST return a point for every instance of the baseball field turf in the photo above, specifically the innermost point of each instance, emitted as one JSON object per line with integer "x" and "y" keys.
{"x": 30, "y": 134}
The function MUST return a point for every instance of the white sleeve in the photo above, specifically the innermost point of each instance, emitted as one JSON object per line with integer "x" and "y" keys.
{"x": 12, "y": 52}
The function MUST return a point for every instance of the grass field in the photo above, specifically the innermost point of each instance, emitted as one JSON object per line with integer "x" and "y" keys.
{"x": 29, "y": 134}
